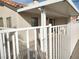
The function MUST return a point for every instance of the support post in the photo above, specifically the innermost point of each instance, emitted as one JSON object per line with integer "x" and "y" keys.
{"x": 43, "y": 32}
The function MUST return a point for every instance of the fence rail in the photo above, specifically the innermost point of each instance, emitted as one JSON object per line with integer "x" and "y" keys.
{"x": 29, "y": 43}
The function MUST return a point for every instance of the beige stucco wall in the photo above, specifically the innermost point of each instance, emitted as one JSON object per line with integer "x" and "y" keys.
{"x": 17, "y": 21}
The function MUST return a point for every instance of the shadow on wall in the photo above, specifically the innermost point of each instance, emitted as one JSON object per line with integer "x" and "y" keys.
{"x": 75, "y": 54}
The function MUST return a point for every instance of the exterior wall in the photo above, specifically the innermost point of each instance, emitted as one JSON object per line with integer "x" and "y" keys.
{"x": 74, "y": 30}
{"x": 17, "y": 21}
{"x": 61, "y": 21}
{"x": 58, "y": 21}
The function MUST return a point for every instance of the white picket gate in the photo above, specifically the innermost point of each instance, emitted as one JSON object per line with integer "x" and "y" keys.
{"x": 26, "y": 43}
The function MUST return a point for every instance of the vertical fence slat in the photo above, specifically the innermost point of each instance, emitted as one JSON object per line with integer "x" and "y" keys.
{"x": 50, "y": 43}
{"x": 58, "y": 43}
{"x": 46, "y": 41}
{"x": 53, "y": 42}
{"x": 1, "y": 47}
{"x": 17, "y": 45}
{"x": 8, "y": 46}
{"x": 42, "y": 42}
{"x": 65, "y": 40}
{"x": 27, "y": 43}
{"x": 61, "y": 43}
{"x": 13, "y": 45}
{"x": 4, "y": 45}
{"x": 35, "y": 43}
{"x": 41, "y": 38}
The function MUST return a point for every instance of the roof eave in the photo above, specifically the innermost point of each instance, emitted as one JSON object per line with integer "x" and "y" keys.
{"x": 38, "y": 5}
{"x": 73, "y": 5}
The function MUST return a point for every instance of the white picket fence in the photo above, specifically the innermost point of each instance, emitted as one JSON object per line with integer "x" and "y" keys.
{"x": 27, "y": 43}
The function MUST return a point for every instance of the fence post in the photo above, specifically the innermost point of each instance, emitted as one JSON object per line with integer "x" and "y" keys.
{"x": 50, "y": 42}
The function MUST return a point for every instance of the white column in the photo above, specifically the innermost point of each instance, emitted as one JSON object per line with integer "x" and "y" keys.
{"x": 43, "y": 31}
{"x": 43, "y": 23}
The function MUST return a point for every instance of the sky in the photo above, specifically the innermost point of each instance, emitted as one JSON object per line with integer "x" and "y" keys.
{"x": 76, "y": 2}
{"x": 25, "y": 1}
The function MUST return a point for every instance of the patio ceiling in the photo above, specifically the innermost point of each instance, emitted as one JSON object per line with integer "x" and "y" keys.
{"x": 58, "y": 9}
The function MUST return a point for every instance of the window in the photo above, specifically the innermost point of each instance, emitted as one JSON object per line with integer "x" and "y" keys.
{"x": 34, "y": 21}
{"x": 8, "y": 22}
{"x": 1, "y": 22}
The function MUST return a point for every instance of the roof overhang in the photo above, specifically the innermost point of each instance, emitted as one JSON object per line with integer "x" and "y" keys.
{"x": 32, "y": 6}
{"x": 73, "y": 5}
{"x": 59, "y": 8}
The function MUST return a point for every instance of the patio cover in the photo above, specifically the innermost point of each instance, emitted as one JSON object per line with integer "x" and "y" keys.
{"x": 56, "y": 8}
